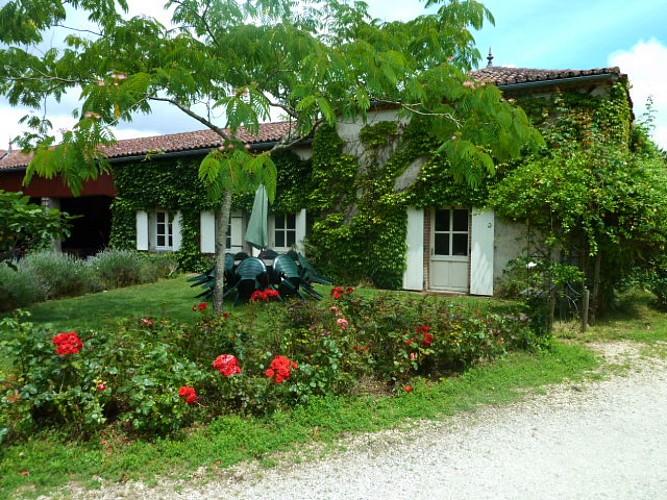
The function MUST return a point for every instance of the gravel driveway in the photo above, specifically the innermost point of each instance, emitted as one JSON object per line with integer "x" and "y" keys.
{"x": 601, "y": 440}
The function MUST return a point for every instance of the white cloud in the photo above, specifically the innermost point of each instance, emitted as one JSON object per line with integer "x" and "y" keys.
{"x": 10, "y": 127}
{"x": 644, "y": 65}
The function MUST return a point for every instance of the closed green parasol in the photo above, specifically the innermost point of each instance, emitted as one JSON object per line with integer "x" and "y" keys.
{"x": 257, "y": 233}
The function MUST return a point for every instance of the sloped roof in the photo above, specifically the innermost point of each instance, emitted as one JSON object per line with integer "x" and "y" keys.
{"x": 169, "y": 143}
{"x": 502, "y": 75}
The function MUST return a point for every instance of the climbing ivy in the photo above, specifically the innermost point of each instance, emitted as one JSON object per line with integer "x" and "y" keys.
{"x": 174, "y": 186}
{"x": 595, "y": 192}
{"x": 357, "y": 194}
{"x": 169, "y": 184}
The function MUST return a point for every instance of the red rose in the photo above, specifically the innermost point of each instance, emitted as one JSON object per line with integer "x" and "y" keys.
{"x": 189, "y": 394}
{"x": 227, "y": 364}
{"x": 408, "y": 388}
{"x": 67, "y": 343}
{"x": 281, "y": 368}
{"x": 258, "y": 295}
{"x": 101, "y": 387}
{"x": 427, "y": 339}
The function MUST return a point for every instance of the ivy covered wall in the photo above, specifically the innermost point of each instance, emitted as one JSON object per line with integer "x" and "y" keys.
{"x": 173, "y": 185}
{"x": 356, "y": 203}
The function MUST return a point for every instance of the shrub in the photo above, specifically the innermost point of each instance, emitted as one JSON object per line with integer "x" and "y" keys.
{"x": 652, "y": 277}
{"x": 18, "y": 288}
{"x": 118, "y": 268}
{"x": 59, "y": 274}
{"x": 159, "y": 265}
{"x": 121, "y": 268}
{"x": 80, "y": 382}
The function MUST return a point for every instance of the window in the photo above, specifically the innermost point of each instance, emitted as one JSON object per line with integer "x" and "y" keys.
{"x": 156, "y": 230}
{"x": 284, "y": 230}
{"x": 164, "y": 231}
{"x": 228, "y": 240}
{"x": 450, "y": 233}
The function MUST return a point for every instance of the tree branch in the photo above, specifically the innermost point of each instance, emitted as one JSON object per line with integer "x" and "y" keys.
{"x": 220, "y": 131}
{"x": 285, "y": 108}
{"x": 202, "y": 19}
{"x": 289, "y": 142}
{"x": 410, "y": 108}
{"x": 78, "y": 30}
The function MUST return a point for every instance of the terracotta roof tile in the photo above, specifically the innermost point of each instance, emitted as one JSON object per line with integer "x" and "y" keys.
{"x": 501, "y": 75}
{"x": 184, "y": 141}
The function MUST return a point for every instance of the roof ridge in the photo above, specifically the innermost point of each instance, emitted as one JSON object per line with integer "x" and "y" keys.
{"x": 508, "y": 75}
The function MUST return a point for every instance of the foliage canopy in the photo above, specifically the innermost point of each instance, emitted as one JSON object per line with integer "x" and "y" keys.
{"x": 312, "y": 62}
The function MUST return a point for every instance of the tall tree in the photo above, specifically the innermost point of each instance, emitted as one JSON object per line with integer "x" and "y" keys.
{"x": 311, "y": 61}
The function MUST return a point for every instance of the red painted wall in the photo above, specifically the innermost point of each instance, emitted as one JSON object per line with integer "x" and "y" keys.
{"x": 55, "y": 188}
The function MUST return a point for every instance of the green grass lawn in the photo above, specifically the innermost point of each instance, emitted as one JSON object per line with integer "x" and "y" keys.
{"x": 172, "y": 298}
{"x": 51, "y": 463}
{"x": 166, "y": 298}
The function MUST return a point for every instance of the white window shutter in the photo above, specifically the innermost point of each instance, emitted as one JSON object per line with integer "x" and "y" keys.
{"x": 176, "y": 228}
{"x": 481, "y": 256}
{"x": 301, "y": 230}
{"x": 142, "y": 230}
{"x": 207, "y": 232}
{"x": 236, "y": 222}
{"x": 413, "y": 277}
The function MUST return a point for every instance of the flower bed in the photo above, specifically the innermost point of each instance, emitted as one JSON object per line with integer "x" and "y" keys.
{"x": 154, "y": 376}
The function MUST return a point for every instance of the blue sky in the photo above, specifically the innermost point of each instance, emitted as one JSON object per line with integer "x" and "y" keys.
{"x": 574, "y": 34}
{"x": 547, "y": 34}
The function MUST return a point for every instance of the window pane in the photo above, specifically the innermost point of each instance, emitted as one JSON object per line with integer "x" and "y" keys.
{"x": 280, "y": 239}
{"x": 280, "y": 221}
{"x": 442, "y": 244}
{"x": 460, "y": 244}
{"x": 161, "y": 218}
{"x": 291, "y": 238}
{"x": 160, "y": 240}
{"x": 228, "y": 241}
{"x": 442, "y": 220}
{"x": 460, "y": 220}
{"x": 291, "y": 221}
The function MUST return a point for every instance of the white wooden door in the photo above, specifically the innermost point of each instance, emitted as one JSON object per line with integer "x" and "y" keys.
{"x": 413, "y": 278}
{"x": 450, "y": 254}
{"x": 481, "y": 259}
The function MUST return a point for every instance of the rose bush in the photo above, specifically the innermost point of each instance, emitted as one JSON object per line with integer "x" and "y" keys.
{"x": 153, "y": 376}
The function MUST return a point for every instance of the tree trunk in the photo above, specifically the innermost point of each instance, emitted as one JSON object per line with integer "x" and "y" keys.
{"x": 222, "y": 217}
{"x": 595, "y": 293}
